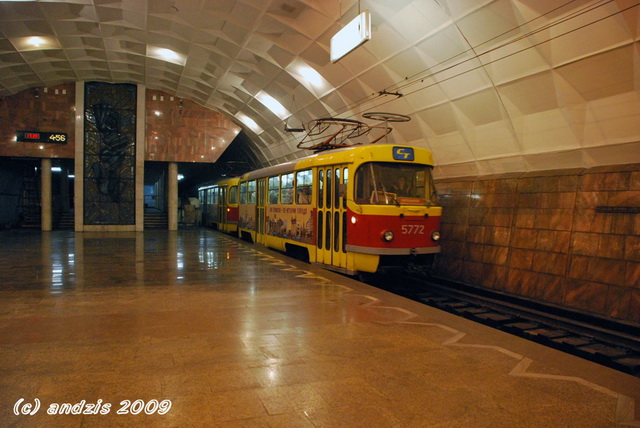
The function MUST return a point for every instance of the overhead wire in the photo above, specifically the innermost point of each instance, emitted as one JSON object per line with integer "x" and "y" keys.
{"x": 363, "y": 99}
{"x": 508, "y": 55}
{"x": 419, "y": 77}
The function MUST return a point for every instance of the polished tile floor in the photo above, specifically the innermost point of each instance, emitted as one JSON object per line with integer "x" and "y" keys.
{"x": 194, "y": 328}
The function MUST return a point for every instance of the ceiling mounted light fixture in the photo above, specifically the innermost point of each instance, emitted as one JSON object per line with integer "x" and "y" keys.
{"x": 354, "y": 34}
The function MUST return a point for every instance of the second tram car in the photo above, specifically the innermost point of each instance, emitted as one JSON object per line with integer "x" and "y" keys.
{"x": 353, "y": 210}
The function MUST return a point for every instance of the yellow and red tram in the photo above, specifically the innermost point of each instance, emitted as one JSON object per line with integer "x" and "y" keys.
{"x": 356, "y": 209}
{"x": 219, "y": 204}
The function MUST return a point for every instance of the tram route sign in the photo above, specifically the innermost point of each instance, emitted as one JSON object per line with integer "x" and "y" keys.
{"x": 403, "y": 154}
{"x": 41, "y": 137}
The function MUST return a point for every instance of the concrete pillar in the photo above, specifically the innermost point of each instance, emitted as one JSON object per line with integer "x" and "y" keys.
{"x": 172, "y": 195}
{"x": 78, "y": 184}
{"x": 45, "y": 195}
{"x": 141, "y": 121}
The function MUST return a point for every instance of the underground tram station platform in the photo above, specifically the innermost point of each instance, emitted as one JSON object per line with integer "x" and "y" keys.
{"x": 196, "y": 328}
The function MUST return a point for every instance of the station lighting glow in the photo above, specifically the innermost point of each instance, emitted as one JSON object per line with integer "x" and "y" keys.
{"x": 168, "y": 55}
{"x": 309, "y": 77}
{"x": 250, "y": 123}
{"x": 272, "y": 104}
{"x": 32, "y": 43}
{"x": 56, "y": 169}
{"x": 36, "y": 42}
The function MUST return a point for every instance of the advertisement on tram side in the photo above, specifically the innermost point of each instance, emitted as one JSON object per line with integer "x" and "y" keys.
{"x": 247, "y": 217}
{"x": 290, "y": 222}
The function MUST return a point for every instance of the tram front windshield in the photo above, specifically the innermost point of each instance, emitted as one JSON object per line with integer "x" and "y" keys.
{"x": 389, "y": 183}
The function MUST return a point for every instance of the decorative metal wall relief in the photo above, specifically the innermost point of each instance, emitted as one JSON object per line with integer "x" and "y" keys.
{"x": 109, "y": 154}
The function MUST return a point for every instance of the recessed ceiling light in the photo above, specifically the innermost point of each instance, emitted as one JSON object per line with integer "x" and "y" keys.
{"x": 309, "y": 77}
{"x": 35, "y": 43}
{"x": 250, "y": 123}
{"x": 168, "y": 55}
{"x": 273, "y": 105}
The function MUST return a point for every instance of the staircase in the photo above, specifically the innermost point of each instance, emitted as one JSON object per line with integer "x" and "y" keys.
{"x": 67, "y": 221}
{"x": 156, "y": 220}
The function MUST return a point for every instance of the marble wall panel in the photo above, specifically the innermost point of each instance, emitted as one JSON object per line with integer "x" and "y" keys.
{"x": 179, "y": 130}
{"x": 42, "y": 109}
{"x": 539, "y": 235}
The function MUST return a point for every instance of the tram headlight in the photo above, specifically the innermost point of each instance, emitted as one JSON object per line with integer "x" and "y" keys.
{"x": 435, "y": 235}
{"x": 387, "y": 235}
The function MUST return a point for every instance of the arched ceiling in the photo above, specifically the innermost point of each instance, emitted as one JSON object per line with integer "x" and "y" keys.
{"x": 491, "y": 86}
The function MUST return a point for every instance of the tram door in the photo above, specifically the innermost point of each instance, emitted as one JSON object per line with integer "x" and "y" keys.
{"x": 260, "y": 210}
{"x": 331, "y": 236}
{"x": 222, "y": 204}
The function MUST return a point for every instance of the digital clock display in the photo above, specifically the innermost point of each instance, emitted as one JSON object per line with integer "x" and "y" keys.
{"x": 41, "y": 137}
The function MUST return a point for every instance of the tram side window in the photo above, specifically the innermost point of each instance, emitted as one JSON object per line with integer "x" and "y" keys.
{"x": 336, "y": 193}
{"x": 320, "y": 188}
{"x": 243, "y": 193}
{"x": 304, "y": 186}
{"x": 262, "y": 184}
{"x": 214, "y": 195}
{"x": 286, "y": 188}
{"x": 251, "y": 192}
{"x": 345, "y": 178}
{"x": 233, "y": 195}
{"x": 274, "y": 188}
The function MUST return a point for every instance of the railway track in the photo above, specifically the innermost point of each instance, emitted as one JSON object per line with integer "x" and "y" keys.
{"x": 607, "y": 342}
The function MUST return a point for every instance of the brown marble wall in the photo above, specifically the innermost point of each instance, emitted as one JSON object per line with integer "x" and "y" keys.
{"x": 179, "y": 130}
{"x": 539, "y": 235}
{"x": 38, "y": 109}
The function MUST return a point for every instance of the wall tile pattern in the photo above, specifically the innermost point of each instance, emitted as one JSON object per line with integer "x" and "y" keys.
{"x": 538, "y": 235}
{"x": 48, "y": 109}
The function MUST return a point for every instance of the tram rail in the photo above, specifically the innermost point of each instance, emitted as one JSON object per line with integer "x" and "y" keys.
{"x": 609, "y": 342}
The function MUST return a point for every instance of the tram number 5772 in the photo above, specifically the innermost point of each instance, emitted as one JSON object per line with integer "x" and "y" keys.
{"x": 412, "y": 229}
